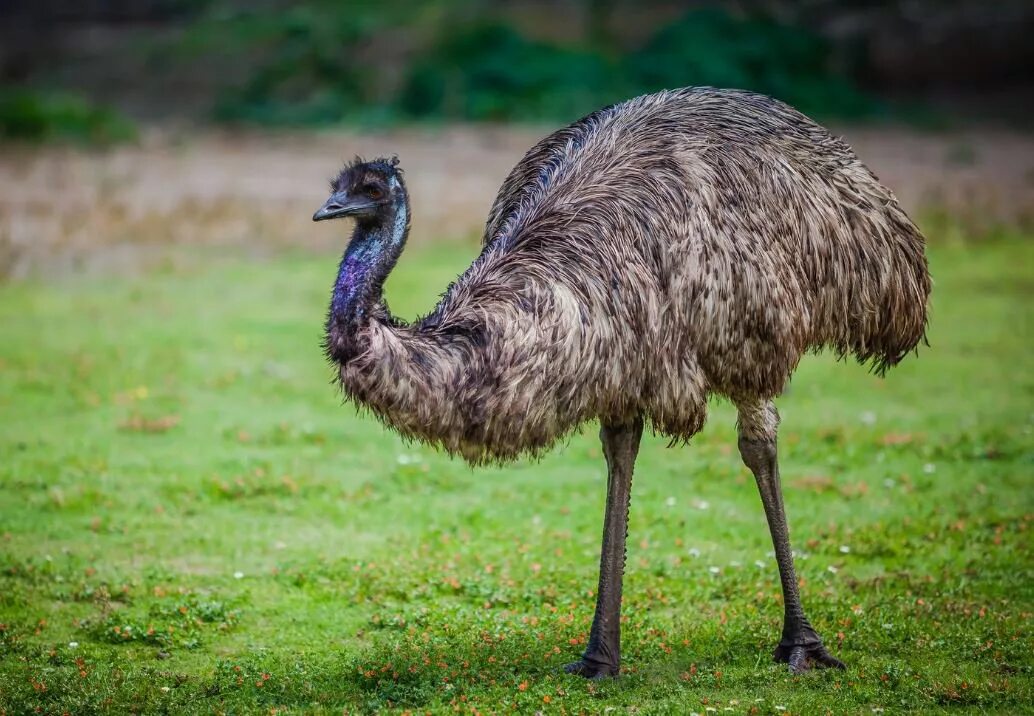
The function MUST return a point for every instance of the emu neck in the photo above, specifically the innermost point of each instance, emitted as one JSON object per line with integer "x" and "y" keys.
{"x": 371, "y": 254}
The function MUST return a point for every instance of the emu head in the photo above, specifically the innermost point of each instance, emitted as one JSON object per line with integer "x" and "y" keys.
{"x": 368, "y": 191}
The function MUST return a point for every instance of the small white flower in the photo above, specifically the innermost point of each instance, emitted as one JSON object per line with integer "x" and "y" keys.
{"x": 403, "y": 459}
{"x": 889, "y": 484}
{"x": 844, "y": 549}
{"x": 710, "y": 709}
{"x": 73, "y": 644}
{"x": 868, "y": 417}
{"x": 888, "y": 626}
{"x": 165, "y": 689}
{"x": 735, "y": 565}
{"x": 694, "y": 552}
{"x": 701, "y": 504}
{"x": 831, "y": 569}
{"x": 670, "y": 502}
{"x": 929, "y": 468}
{"x": 780, "y": 708}
{"x": 713, "y": 570}
{"x": 238, "y": 575}
{"x": 877, "y": 710}
{"x": 759, "y": 564}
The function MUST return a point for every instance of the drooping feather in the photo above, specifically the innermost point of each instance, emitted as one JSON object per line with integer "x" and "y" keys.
{"x": 658, "y": 251}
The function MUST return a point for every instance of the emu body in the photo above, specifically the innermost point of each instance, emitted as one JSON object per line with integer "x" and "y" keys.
{"x": 659, "y": 251}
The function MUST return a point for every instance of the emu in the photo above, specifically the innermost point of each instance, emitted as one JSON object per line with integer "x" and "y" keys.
{"x": 676, "y": 246}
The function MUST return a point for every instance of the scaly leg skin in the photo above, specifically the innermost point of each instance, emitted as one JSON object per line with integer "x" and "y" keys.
{"x": 602, "y": 657}
{"x": 801, "y": 647}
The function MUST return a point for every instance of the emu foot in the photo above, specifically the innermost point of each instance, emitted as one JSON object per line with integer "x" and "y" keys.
{"x": 589, "y": 669}
{"x": 811, "y": 654}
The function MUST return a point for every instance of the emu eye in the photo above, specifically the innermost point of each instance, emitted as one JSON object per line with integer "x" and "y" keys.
{"x": 374, "y": 192}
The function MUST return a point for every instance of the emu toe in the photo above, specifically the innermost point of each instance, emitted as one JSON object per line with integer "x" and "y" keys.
{"x": 805, "y": 658}
{"x": 602, "y": 234}
{"x": 591, "y": 669}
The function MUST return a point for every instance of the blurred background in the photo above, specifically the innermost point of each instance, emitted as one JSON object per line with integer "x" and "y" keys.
{"x": 215, "y": 122}
{"x": 190, "y": 521}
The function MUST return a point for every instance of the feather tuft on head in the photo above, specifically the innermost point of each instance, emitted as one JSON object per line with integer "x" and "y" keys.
{"x": 359, "y": 170}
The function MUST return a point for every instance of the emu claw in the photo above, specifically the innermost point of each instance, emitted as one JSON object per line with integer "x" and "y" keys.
{"x": 591, "y": 669}
{"x": 804, "y": 658}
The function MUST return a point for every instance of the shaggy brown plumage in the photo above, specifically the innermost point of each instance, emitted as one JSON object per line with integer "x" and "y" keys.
{"x": 669, "y": 248}
{"x": 656, "y": 252}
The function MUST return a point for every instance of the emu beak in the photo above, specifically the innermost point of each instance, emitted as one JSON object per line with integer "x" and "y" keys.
{"x": 340, "y": 204}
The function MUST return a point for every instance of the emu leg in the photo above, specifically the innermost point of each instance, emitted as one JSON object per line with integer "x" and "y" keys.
{"x": 603, "y": 654}
{"x": 801, "y": 646}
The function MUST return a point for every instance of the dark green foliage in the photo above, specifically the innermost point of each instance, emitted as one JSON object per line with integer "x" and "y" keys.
{"x": 492, "y": 72}
{"x": 328, "y": 62}
{"x": 305, "y": 62}
{"x": 304, "y": 75}
{"x": 31, "y": 116}
{"x": 711, "y": 47}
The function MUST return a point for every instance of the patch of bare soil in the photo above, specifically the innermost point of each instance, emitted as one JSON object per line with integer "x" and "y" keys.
{"x": 62, "y": 208}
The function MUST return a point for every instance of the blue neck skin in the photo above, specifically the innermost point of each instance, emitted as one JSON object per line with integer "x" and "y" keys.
{"x": 369, "y": 258}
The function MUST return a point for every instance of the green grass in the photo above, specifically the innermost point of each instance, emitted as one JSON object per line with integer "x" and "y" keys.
{"x": 191, "y": 522}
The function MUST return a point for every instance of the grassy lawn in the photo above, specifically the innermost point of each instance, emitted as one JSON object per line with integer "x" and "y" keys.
{"x": 191, "y": 522}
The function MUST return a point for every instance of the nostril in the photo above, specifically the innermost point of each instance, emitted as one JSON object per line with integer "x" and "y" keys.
{"x": 329, "y": 210}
